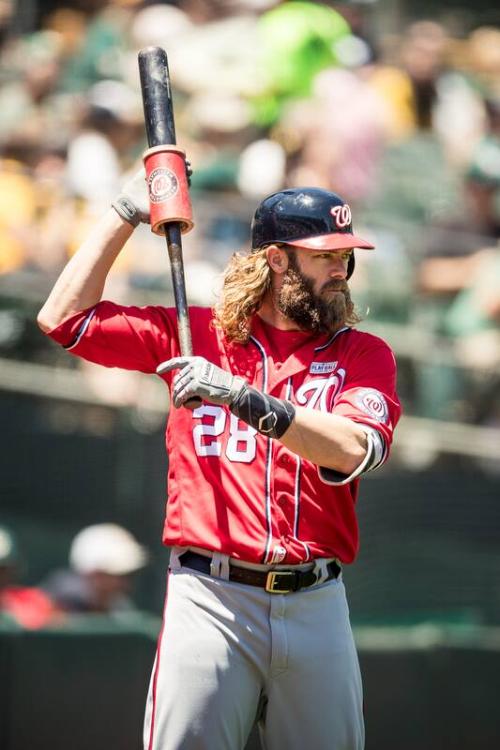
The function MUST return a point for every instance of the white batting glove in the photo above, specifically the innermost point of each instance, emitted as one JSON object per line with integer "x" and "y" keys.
{"x": 132, "y": 204}
{"x": 200, "y": 378}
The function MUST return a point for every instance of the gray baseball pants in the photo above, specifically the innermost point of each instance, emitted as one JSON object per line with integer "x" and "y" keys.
{"x": 231, "y": 654}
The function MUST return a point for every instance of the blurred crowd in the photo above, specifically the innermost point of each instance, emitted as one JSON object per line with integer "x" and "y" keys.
{"x": 403, "y": 123}
{"x": 103, "y": 559}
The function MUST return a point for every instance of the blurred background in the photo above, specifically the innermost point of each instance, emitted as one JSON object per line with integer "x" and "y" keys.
{"x": 396, "y": 106}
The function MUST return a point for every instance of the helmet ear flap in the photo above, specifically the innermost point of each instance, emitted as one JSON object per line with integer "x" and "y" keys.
{"x": 350, "y": 266}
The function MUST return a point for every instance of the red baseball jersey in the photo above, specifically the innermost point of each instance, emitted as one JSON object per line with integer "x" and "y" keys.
{"x": 231, "y": 489}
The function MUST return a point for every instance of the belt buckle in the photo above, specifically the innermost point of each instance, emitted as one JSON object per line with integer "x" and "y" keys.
{"x": 274, "y": 585}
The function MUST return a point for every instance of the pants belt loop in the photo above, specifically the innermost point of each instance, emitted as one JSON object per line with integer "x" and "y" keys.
{"x": 320, "y": 570}
{"x": 219, "y": 566}
{"x": 174, "y": 563}
{"x": 224, "y": 568}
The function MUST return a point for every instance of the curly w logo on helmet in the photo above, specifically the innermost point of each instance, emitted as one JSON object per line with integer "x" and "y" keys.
{"x": 342, "y": 215}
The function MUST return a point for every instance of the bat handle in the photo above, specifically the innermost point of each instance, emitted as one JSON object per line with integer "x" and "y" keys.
{"x": 174, "y": 245}
{"x": 173, "y": 235}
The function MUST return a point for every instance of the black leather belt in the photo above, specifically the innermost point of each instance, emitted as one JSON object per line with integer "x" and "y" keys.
{"x": 273, "y": 581}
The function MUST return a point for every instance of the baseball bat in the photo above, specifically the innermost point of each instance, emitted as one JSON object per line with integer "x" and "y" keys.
{"x": 160, "y": 131}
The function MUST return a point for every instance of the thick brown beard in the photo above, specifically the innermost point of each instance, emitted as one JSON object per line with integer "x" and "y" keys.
{"x": 310, "y": 311}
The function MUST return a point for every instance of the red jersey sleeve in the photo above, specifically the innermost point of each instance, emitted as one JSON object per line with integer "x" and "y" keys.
{"x": 133, "y": 338}
{"x": 368, "y": 396}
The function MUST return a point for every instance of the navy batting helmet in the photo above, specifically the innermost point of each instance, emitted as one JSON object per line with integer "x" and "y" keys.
{"x": 312, "y": 218}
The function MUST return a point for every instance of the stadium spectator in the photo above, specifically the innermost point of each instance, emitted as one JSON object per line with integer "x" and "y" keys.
{"x": 339, "y": 153}
{"x": 103, "y": 559}
{"x": 296, "y": 41}
{"x": 29, "y": 107}
{"x": 452, "y": 253}
{"x": 27, "y": 606}
{"x": 111, "y": 126}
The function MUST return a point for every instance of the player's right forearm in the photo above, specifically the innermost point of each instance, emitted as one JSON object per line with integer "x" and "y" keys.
{"x": 81, "y": 283}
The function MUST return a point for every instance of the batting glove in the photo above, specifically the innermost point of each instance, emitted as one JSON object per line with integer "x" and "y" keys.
{"x": 133, "y": 202}
{"x": 197, "y": 377}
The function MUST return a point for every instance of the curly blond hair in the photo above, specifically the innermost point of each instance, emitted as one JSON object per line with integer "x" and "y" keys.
{"x": 246, "y": 281}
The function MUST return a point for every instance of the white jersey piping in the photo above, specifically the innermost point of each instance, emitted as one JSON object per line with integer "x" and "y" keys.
{"x": 82, "y": 330}
{"x": 269, "y": 454}
{"x": 330, "y": 341}
{"x": 297, "y": 487}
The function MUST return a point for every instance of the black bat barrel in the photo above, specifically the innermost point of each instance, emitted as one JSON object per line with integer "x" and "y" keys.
{"x": 156, "y": 96}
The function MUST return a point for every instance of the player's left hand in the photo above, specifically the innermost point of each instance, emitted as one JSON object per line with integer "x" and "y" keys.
{"x": 132, "y": 204}
{"x": 200, "y": 378}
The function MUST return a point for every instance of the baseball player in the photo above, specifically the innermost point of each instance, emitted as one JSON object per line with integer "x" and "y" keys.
{"x": 296, "y": 405}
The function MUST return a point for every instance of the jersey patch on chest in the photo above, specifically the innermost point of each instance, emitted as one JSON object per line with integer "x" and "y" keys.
{"x": 320, "y": 368}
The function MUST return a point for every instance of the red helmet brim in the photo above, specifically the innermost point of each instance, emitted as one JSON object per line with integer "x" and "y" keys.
{"x": 337, "y": 241}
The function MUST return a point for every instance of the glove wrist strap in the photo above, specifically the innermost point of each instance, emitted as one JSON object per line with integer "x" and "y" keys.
{"x": 268, "y": 415}
{"x": 126, "y": 209}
